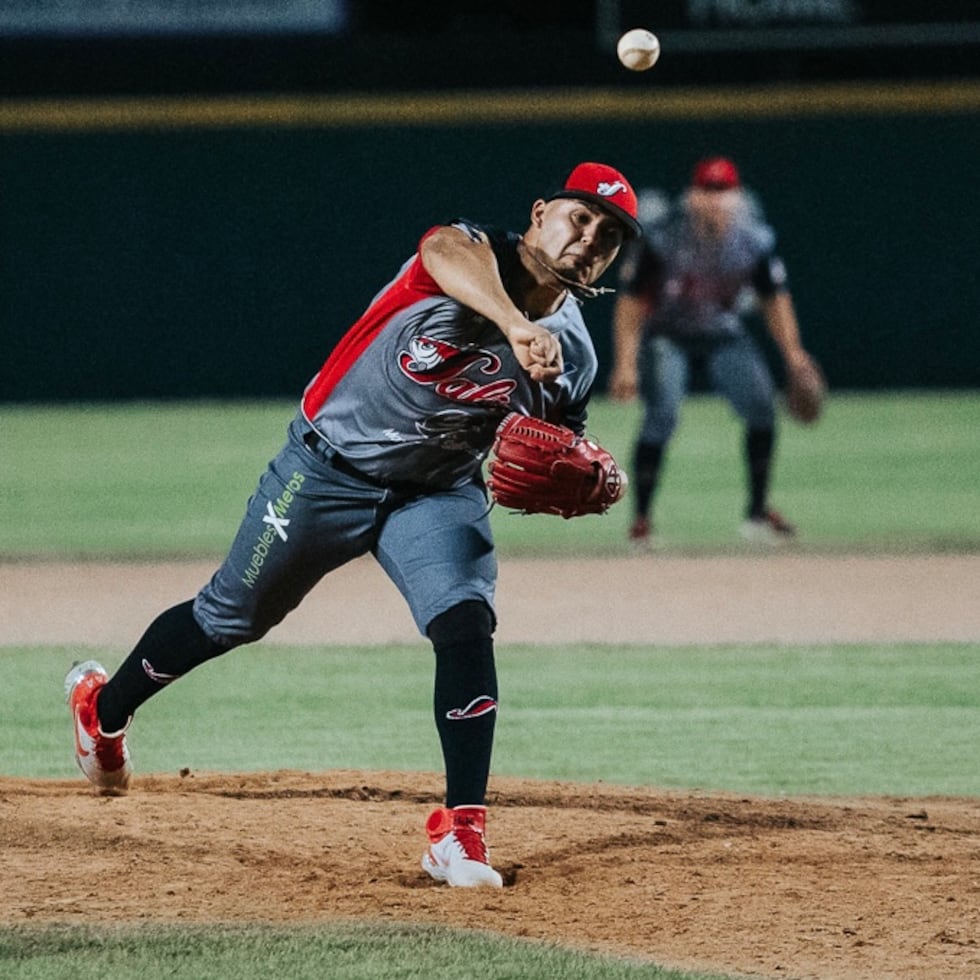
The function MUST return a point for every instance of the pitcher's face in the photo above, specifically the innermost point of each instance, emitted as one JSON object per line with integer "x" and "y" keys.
{"x": 576, "y": 238}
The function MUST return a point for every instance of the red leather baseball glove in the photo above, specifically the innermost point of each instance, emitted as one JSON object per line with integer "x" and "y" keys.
{"x": 541, "y": 468}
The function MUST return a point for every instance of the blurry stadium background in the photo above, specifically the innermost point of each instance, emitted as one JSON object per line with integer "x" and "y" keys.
{"x": 197, "y": 198}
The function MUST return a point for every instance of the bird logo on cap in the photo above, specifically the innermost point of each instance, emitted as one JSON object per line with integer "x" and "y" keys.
{"x": 609, "y": 190}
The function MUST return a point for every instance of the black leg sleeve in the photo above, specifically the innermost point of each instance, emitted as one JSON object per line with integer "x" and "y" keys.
{"x": 465, "y": 698}
{"x": 647, "y": 461}
{"x": 759, "y": 447}
{"x": 172, "y": 645}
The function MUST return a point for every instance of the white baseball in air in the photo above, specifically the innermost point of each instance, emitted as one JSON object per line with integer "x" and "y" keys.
{"x": 638, "y": 49}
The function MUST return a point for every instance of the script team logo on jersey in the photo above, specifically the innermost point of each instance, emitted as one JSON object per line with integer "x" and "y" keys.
{"x": 454, "y": 372}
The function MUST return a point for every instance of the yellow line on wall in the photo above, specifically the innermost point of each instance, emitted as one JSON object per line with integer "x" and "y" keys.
{"x": 538, "y": 106}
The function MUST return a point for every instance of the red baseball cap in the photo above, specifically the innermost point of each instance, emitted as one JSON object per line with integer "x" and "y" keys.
{"x": 607, "y": 187}
{"x": 716, "y": 174}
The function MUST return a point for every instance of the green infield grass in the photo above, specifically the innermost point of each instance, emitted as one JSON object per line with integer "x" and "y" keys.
{"x": 892, "y": 472}
{"x": 333, "y": 952}
{"x": 894, "y": 720}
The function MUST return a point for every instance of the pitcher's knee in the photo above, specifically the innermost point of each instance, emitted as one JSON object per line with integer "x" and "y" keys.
{"x": 230, "y": 624}
{"x": 470, "y": 619}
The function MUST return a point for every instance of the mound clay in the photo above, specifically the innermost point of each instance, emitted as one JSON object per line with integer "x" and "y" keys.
{"x": 856, "y": 889}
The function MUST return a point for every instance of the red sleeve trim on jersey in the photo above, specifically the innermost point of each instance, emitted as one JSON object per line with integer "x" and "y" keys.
{"x": 413, "y": 284}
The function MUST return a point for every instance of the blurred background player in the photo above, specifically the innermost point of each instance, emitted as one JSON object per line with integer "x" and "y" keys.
{"x": 704, "y": 262}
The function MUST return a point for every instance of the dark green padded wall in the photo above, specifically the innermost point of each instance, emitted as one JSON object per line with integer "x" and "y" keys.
{"x": 199, "y": 261}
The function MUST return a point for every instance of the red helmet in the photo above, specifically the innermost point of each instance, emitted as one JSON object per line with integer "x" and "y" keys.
{"x": 716, "y": 174}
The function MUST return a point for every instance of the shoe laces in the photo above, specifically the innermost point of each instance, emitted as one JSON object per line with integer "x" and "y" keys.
{"x": 472, "y": 842}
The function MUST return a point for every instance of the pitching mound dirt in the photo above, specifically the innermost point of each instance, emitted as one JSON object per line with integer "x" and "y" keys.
{"x": 868, "y": 889}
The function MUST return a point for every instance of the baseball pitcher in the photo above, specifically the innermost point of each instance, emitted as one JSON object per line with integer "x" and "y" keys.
{"x": 478, "y": 341}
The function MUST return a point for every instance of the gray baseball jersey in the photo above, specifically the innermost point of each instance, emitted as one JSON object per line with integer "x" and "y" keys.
{"x": 416, "y": 388}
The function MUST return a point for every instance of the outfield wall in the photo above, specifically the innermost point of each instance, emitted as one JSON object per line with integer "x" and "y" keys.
{"x": 185, "y": 248}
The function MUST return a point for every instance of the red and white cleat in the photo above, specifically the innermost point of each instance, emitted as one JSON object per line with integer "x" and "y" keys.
{"x": 457, "y": 851}
{"x": 102, "y": 756}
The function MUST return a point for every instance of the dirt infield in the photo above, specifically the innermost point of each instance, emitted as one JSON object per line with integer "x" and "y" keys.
{"x": 784, "y": 598}
{"x": 856, "y": 889}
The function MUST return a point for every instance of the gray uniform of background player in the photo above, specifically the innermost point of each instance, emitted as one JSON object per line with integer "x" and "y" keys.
{"x": 700, "y": 292}
{"x": 697, "y": 291}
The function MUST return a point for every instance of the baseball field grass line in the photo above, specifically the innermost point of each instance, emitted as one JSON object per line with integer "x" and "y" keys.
{"x": 323, "y": 952}
{"x": 894, "y": 472}
{"x": 878, "y": 720}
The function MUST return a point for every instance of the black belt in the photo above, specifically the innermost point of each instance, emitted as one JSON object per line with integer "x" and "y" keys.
{"x": 327, "y": 454}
